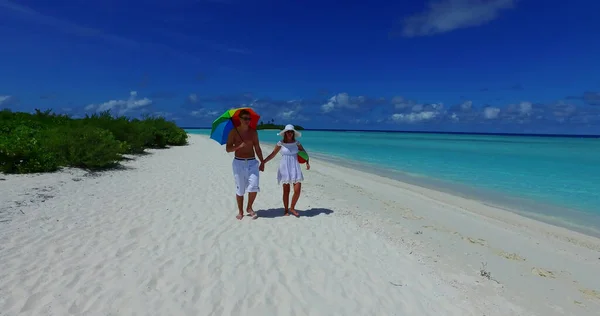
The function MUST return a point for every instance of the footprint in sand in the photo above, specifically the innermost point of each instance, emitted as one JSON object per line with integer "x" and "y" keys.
{"x": 509, "y": 256}
{"x": 543, "y": 273}
{"x": 126, "y": 250}
{"x": 590, "y": 294}
{"x": 441, "y": 229}
{"x": 136, "y": 232}
{"x": 477, "y": 241}
{"x": 408, "y": 214}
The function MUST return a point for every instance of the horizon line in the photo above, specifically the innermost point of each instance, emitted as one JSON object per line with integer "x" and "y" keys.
{"x": 441, "y": 132}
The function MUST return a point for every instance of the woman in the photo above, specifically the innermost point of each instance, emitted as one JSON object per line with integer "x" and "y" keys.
{"x": 289, "y": 171}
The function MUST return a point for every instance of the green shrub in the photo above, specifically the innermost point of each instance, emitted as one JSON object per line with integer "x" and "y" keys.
{"x": 44, "y": 142}
{"x": 136, "y": 136}
{"x": 23, "y": 151}
{"x": 85, "y": 146}
{"x": 164, "y": 132}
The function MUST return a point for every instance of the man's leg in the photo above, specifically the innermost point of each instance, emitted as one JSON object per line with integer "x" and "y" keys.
{"x": 251, "y": 198}
{"x": 253, "y": 186}
{"x": 239, "y": 174}
{"x": 240, "y": 204}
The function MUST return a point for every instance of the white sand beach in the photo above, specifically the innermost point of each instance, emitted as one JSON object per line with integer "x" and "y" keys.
{"x": 160, "y": 238}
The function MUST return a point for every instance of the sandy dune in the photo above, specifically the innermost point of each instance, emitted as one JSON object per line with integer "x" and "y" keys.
{"x": 161, "y": 238}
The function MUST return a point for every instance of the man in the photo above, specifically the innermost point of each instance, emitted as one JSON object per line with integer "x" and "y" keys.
{"x": 244, "y": 142}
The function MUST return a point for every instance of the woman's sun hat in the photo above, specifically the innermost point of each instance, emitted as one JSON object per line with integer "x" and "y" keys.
{"x": 290, "y": 127}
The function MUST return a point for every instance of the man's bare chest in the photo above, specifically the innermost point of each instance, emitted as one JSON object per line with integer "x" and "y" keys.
{"x": 245, "y": 137}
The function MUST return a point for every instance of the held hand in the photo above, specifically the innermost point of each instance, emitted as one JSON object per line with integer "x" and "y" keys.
{"x": 262, "y": 166}
{"x": 307, "y": 166}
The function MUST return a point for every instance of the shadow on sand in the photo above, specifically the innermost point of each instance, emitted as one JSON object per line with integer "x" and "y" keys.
{"x": 278, "y": 212}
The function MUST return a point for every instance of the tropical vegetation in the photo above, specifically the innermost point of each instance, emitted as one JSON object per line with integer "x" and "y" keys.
{"x": 45, "y": 141}
{"x": 271, "y": 125}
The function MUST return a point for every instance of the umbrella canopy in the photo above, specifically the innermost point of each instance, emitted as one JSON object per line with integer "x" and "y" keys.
{"x": 229, "y": 120}
{"x": 302, "y": 156}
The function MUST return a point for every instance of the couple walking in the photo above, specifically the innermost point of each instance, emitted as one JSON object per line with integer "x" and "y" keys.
{"x": 244, "y": 143}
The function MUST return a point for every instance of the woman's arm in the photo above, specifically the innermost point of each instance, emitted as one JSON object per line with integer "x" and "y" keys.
{"x": 300, "y": 147}
{"x": 272, "y": 155}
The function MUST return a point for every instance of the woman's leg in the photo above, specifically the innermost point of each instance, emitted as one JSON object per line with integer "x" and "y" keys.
{"x": 286, "y": 198}
{"x": 295, "y": 197}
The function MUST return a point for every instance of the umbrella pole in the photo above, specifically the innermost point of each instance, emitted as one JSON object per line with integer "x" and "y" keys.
{"x": 235, "y": 127}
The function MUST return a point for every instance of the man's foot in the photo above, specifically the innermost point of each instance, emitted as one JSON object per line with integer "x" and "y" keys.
{"x": 293, "y": 211}
{"x": 239, "y": 216}
{"x": 252, "y": 213}
{"x": 286, "y": 213}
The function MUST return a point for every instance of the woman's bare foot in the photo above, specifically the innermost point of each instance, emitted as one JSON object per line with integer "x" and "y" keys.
{"x": 252, "y": 213}
{"x": 239, "y": 216}
{"x": 293, "y": 211}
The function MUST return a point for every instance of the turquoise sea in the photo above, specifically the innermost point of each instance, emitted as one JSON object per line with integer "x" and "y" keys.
{"x": 554, "y": 179}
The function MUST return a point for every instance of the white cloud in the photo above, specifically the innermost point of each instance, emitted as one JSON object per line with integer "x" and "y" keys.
{"x": 562, "y": 110}
{"x": 491, "y": 112}
{"x": 466, "y": 106}
{"x": 342, "y": 100}
{"x": 287, "y": 115}
{"x": 521, "y": 112}
{"x": 525, "y": 108}
{"x": 203, "y": 112}
{"x": 329, "y": 106}
{"x": 121, "y": 106}
{"x": 193, "y": 98}
{"x": 414, "y": 117}
{"x": 292, "y": 111}
{"x": 410, "y": 111}
{"x": 436, "y": 106}
{"x": 447, "y": 15}
{"x": 163, "y": 114}
{"x": 417, "y": 108}
{"x": 401, "y": 103}
{"x": 5, "y": 99}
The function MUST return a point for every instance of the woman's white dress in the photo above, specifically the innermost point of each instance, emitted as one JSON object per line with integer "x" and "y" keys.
{"x": 289, "y": 168}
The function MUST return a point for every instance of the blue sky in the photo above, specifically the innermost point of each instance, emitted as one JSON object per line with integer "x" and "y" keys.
{"x": 445, "y": 65}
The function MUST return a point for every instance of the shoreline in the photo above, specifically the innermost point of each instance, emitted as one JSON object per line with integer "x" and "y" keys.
{"x": 499, "y": 200}
{"x": 159, "y": 236}
{"x": 519, "y": 246}
{"x": 505, "y": 214}
{"x": 509, "y": 216}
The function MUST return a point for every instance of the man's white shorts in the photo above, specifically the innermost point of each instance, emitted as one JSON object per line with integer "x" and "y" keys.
{"x": 245, "y": 172}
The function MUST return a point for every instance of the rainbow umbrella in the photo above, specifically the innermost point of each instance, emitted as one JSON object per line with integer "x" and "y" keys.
{"x": 228, "y": 121}
{"x": 302, "y": 156}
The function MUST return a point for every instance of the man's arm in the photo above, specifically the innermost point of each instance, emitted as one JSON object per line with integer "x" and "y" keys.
{"x": 257, "y": 147}
{"x": 229, "y": 146}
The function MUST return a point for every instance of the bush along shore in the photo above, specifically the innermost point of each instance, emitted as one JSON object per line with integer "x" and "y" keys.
{"x": 45, "y": 142}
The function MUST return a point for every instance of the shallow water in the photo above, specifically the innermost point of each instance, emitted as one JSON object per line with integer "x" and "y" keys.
{"x": 551, "y": 177}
